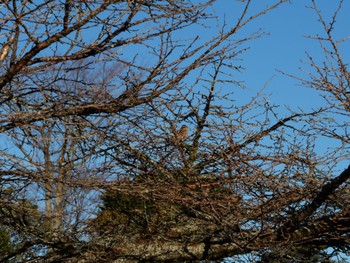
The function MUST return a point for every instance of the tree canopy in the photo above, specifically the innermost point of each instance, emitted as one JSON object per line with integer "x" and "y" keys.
{"x": 123, "y": 138}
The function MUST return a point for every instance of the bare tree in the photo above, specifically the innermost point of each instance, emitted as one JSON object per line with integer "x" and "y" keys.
{"x": 185, "y": 170}
{"x": 224, "y": 190}
{"x": 242, "y": 182}
{"x": 322, "y": 222}
{"x": 63, "y": 123}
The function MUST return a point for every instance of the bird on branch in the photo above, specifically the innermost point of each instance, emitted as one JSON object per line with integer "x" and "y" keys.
{"x": 182, "y": 134}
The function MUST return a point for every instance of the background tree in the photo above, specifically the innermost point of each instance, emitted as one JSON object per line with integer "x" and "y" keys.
{"x": 84, "y": 117}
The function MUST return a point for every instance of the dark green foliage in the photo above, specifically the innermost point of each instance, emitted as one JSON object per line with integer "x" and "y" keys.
{"x": 6, "y": 246}
{"x": 130, "y": 209}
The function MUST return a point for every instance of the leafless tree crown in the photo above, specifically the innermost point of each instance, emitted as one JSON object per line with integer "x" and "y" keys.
{"x": 123, "y": 138}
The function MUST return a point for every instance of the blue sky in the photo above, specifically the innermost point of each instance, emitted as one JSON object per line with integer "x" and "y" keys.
{"x": 284, "y": 48}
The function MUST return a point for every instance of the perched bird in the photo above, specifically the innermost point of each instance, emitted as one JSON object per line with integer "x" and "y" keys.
{"x": 182, "y": 133}
{"x": 4, "y": 51}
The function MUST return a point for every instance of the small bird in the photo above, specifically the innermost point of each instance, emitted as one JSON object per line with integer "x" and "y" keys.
{"x": 182, "y": 133}
{"x": 4, "y": 51}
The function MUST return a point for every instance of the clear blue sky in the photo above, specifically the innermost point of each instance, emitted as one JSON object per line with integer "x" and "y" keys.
{"x": 285, "y": 46}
